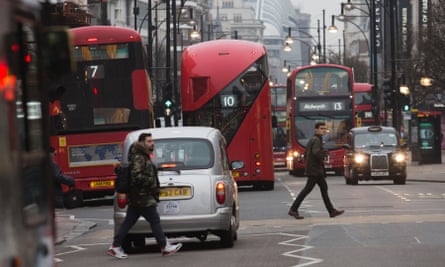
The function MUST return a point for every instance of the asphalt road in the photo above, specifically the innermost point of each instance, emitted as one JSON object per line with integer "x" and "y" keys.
{"x": 384, "y": 225}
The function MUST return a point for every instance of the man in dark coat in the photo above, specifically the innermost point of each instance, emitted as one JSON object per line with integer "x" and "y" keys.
{"x": 58, "y": 180}
{"x": 315, "y": 156}
{"x": 142, "y": 198}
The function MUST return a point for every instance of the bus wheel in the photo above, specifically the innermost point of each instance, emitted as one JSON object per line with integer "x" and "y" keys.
{"x": 73, "y": 199}
{"x": 268, "y": 185}
{"x": 297, "y": 172}
{"x": 340, "y": 172}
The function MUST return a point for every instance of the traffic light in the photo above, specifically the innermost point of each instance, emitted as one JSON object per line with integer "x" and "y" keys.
{"x": 405, "y": 103}
{"x": 168, "y": 107}
{"x": 387, "y": 87}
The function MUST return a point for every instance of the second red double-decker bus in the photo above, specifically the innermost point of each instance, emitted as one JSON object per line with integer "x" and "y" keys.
{"x": 363, "y": 105}
{"x": 96, "y": 107}
{"x": 278, "y": 102}
{"x": 319, "y": 93}
{"x": 225, "y": 84}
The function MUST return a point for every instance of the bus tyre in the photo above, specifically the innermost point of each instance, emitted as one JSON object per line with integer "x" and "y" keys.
{"x": 269, "y": 185}
{"x": 73, "y": 199}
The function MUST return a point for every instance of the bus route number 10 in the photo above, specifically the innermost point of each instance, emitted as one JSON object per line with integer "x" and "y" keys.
{"x": 229, "y": 101}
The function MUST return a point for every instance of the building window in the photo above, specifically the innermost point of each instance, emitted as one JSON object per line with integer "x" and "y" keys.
{"x": 117, "y": 14}
{"x": 237, "y": 18}
{"x": 227, "y": 4}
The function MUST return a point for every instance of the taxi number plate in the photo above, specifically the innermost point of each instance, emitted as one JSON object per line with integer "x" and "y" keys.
{"x": 94, "y": 184}
{"x": 183, "y": 191}
{"x": 379, "y": 173}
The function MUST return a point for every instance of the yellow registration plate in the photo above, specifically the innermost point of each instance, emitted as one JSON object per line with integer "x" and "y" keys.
{"x": 179, "y": 191}
{"x": 95, "y": 184}
{"x": 235, "y": 174}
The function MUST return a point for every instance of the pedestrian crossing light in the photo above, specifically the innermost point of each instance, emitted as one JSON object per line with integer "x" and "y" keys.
{"x": 168, "y": 107}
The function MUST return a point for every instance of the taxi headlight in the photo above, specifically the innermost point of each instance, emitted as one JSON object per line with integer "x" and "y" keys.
{"x": 359, "y": 158}
{"x": 399, "y": 157}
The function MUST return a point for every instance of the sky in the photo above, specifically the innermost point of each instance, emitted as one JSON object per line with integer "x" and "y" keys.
{"x": 315, "y": 8}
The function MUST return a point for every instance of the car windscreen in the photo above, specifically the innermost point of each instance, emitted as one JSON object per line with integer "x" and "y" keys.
{"x": 186, "y": 153}
{"x": 375, "y": 139}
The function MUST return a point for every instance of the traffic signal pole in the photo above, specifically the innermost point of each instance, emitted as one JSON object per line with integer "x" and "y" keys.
{"x": 395, "y": 97}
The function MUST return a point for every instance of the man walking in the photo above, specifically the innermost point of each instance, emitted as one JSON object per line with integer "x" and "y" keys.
{"x": 315, "y": 156}
{"x": 58, "y": 180}
{"x": 142, "y": 198}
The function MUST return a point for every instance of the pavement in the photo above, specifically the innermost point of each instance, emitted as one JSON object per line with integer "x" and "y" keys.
{"x": 68, "y": 227}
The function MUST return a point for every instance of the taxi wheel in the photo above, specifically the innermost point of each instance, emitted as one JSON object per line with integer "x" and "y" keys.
{"x": 353, "y": 180}
{"x": 126, "y": 244}
{"x": 400, "y": 180}
{"x": 228, "y": 237}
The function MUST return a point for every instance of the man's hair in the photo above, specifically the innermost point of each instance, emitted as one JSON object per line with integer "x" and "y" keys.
{"x": 143, "y": 136}
{"x": 318, "y": 124}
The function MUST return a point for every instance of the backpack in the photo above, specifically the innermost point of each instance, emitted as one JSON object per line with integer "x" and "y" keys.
{"x": 122, "y": 183}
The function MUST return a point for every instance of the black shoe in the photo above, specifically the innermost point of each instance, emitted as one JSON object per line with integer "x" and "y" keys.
{"x": 336, "y": 213}
{"x": 295, "y": 214}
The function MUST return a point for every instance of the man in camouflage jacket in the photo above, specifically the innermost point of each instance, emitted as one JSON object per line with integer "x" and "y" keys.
{"x": 144, "y": 183}
{"x": 142, "y": 197}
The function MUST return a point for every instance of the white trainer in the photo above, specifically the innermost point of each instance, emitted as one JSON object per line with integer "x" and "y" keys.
{"x": 117, "y": 252}
{"x": 170, "y": 248}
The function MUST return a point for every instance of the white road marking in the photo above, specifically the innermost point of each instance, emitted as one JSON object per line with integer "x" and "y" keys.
{"x": 293, "y": 253}
{"x": 417, "y": 240}
{"x": 394, "y": 193}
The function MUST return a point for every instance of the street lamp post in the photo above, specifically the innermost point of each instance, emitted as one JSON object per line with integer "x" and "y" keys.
{"x": 344, "y": 18}
{"x": 372, "y": 44}
{"x": 332, "y": 29}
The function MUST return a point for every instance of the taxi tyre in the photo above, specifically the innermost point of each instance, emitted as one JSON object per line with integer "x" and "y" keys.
{"x": 228, "y": 237}
{"x": 353, "y": 179}
{"x": 400, "y": 180}
{"x": 126, "y": 244}
{"x": 131, "y": 242}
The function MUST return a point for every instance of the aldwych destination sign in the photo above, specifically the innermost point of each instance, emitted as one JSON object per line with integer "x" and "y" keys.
{"x": 337, "y": 105}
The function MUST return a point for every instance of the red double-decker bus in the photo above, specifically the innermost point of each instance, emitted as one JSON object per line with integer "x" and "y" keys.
{"x": 319, "y": 93}
{"x": 278, "y": 102}
{"x": 225, "y": 84}
{"x": 93, "y": 109}
{"x": 363, "y": 105}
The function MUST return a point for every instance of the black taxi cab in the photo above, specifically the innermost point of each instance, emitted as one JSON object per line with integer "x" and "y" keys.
{"x": 374, "y": 153}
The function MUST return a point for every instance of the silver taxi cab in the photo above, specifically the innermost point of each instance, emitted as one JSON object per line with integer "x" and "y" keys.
{"x": 198, "y": 195}
{"x": 374, "y": 153}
